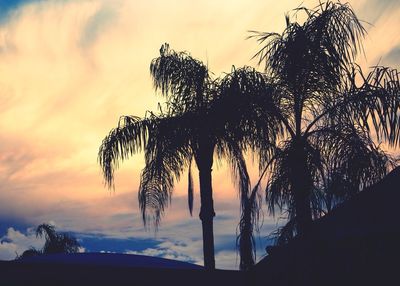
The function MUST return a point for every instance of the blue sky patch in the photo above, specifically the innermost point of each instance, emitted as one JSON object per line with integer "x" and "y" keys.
{"x": 98, "y": 243}
{"x": 6, "y": 6}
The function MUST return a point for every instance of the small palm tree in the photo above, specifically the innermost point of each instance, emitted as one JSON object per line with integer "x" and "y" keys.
{"x": 56, "y": 242}
{"x": 323, "y": 110}
{"x": 194, "y": 125}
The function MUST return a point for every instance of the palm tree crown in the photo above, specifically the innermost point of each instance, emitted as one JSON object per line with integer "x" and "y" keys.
{"x": 320, "y": 113}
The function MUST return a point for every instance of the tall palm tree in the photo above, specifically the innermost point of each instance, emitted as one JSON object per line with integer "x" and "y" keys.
{"x": 193, "y": 125}
{"x": 324, "y": 111}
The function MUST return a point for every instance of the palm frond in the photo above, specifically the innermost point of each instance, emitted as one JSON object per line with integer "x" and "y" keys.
{"x": 128, "y": 138}
{"x": 352, "y": 161}
{"x": 279, "y": 190}
{"x": 377, "y": 100}
{"x": 167, "y": 154}
{"x": 253, "y": 111}
{"x": 249, "y": 224}
{"x": 47, "y": 231}
{"x": 179, "y": 77}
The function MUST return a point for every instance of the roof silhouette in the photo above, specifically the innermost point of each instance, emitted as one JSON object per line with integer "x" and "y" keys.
{"x": 355, "y": 243}
{"x": 372, "y": 211}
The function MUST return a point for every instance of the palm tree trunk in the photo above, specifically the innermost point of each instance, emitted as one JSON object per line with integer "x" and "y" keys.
{"x": 207, "y": 216}
{"x": 246, "y": 236}
{"x": 303, "y": 209}
{"x": 204, "y": 161}
{"x": 302, "y": 184}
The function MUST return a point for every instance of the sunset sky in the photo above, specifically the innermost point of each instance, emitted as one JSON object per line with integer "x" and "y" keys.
{"x": 70, "y": 68}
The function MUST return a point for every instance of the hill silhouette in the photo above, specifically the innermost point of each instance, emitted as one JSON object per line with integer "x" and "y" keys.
{"x": 356, "y": 244}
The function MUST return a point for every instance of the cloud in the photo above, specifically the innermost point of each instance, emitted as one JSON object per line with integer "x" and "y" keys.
{"x": 165, "y": 253}
{"x": 101, "y": 242}
{"x": 97, "y": 24}
{"x": 190, "y": 249}
{"x": 187, "y": 250}
{"x": 382, "y": 22}
{"x": 14, "y": 243}
{"x": 392, "y": 58}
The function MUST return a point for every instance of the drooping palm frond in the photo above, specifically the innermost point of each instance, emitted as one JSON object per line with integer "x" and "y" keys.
{"x": 352, "y": 161}
{"x": 254, "y": 110}
{"x": 128, "y": 138}
{"x": 279, "y": 191}
{"x": 371, "y": 101}
{"x": 180, "y": 77}
{"x": 376, "y": 100}
{"x": 47, "y": 231}
{"x": 68, "y": 243}
{"x": 168, "y": 152}
{"x": 248, "y": 225}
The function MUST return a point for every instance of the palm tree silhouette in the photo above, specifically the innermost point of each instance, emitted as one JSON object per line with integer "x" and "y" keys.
{"x": 56, "y": 242}
{"x": 323, "y": 110}
{"x": 192, "y": 125}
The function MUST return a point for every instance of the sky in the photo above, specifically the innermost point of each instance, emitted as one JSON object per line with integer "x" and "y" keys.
{"x": 70, "y": 68}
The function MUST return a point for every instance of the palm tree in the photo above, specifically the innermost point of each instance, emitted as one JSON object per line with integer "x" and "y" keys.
{"x": 192, "y": 125}
{"x": 323, "y": 110}
{"x": 56, "y": 242}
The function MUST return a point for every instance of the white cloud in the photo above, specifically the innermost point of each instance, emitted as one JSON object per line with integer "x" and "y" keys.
{"x": 187, "y": 251}
{"x": 190, "y": 251}
{"x": 14, "y": 243}
{"x": 227, "y": 259}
